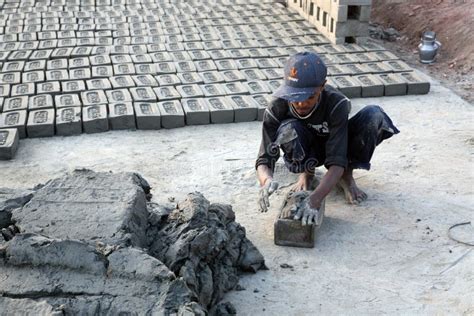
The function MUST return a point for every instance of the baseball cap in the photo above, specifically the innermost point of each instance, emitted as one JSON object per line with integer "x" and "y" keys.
{"x": 304, "y": 72}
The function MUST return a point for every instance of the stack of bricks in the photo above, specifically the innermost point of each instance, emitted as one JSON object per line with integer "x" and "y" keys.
{"x": 341, "y": 21}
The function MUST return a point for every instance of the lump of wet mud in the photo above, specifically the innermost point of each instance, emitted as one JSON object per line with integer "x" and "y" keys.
{"x": 91, "y": 243}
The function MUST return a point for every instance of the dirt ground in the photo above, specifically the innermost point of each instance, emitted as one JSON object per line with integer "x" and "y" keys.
{"x": 452, "y": 22}
{"x": 389, "y": 255}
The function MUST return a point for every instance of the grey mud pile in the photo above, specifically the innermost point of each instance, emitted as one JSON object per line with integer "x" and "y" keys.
{"x": 92, "y": 243}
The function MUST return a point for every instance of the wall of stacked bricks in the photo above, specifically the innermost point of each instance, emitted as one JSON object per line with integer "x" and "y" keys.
{"x": 341, "y": 21}
{"x": 74, "y": 66}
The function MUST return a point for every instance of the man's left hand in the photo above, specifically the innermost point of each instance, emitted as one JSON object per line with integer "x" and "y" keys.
{"x": 307, "y": 214}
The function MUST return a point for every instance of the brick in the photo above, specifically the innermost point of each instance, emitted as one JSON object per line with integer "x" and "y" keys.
{"x": 190, "y": 78}
{"x": 212, "y": 77}
{"x": 257, "y": 87}
{"x": 347, "y": 86}
{"x": 233, "y": 76}
{"x": 68, "y": 121}
{"x": 42, "y": 101}
{"x": 13, "y": 66}
{"x": 378, "y": 68}
{"x": 93, "y": 97}
{"x": 168, "y": 80}
{"x": 246, "y": 63}
{"x": 385, "y": 55}
{"x": 190, "y": 91}
{"x": 94, "y": 119}
{"x": 415, "y": 85}
{"x": 100, "y": 60}
{"x": 41, "y": 123}
{"x": 245, "y": 108}
{"x": 145, "y": 81}
{"x": 263, "y": 101}
{"x": 22, "y": 89}
{"x": 98, "y": 84}
{"x": 147, "y": 115}
{"x": 371, "y": 85}
{"x": 398, "y": 66}
{"x": 16, "y": 103}
{"x": 73, "y": 86}
{"x": 167, "y": 93}
{"x": 57, "y": 75}
{"x": 394, "y": 85}
{"x": 172, "y": 114}
{"x": 235, "y": 88}
{"x": 196, "y": 111}
{"x": 185, "y": 66}
{"x": 273, "y": 73}
{"x": 10, "y": 77}
{"x": 14, "y": 119}
{"x": 124, "y": 81}
{"x": 274, "y": 84}
{"x": 344, "y": 59}
{"x": 9, "y": 142}
{"x": 337, "y": 70}
{"x": 254, "y": 74}
{"x": 205, "y": 65}
{"x": 67, "y": 100}
{"x": 355, "y": 69}
{"x": 124, "y": 69}
{"x": 220, "y": 109}
{"x": 121, "y": 116}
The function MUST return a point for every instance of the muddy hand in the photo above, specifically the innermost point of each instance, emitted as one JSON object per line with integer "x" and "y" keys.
{"x": 307, "y": 214}
{"x": 263, "y": 200}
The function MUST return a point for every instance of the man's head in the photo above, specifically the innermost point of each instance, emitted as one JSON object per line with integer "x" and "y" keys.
{"x": 305, "y": 76}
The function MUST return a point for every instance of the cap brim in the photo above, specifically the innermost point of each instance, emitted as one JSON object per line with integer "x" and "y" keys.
{"x": 292, "y": 94}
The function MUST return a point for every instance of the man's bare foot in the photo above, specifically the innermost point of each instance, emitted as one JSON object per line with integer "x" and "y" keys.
{"x": 353, "y": 194}
{"x": 303, "y": 183}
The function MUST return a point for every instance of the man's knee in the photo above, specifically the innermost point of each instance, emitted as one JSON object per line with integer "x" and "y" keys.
{"x": 372, "y": 113}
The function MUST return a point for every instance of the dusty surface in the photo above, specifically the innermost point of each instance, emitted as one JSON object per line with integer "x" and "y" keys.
{"x": 450, "y": 19}
{"x": 389, "y": 255}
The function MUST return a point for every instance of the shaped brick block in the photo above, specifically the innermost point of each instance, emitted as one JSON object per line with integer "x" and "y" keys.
{"x": 394, "y": 85}
{"x": 42, "y": 101}
{"x": 9, "y": 141}
{"x": 245, "y": 108}
{"x": 15, "y": 104}
{"x": 167, "y": 93}
{"x": 14, "y": 119}
{"x": 348, "y": 86}
{"x": 41, "y": 123}
{"x": 371, "y": 85}
{"x": 68, "y": 121}
{"x": 220, "y": 109}
{"x": 172, "y": 114}
{"x": 263, "y": 101}
{"x": 190, "y": 91}
{"x": 93, "y": 97}
{"x": 147, "y": 115}
{"x": 415, "y": 85}
{"x": 196, "y": 111}
{"x": 94, "y": 119}
{"x": 143, "y": 94}
{"x": 118, "y": 96}
{"x": 121, "y": 116}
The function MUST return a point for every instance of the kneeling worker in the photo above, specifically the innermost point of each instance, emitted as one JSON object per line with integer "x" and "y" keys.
{"x": 309, "y": 121}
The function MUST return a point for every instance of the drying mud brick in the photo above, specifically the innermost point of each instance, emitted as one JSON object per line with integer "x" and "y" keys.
{"x": 121, "y": 116}
{"x": 290, "y": 232}
{"x": 167, "y": 93}
{"x": 398, "y": 66}
{"x": 394, "y": 84}
{"x": 98, "y": 84}
{"x": 14, "y": 119}
{"x": 235, "y": 88}
{"x": 172, "y": 114}
{"x": 41, "y": 123}
{"x": 415, "y": 85}
{"x": 42, "y": 101}
{"x": 93, "y": 97}
{"x": 257, "y": 87}
{"x": 263, "y": 101}
{"x": 220, "y": 109}
{"x": 196, "y": 111}
{"x": 143, "y": 94}
{"x": 233, "y": 75}
{"x": 94, "y": 119}
{"x": 245, "y": 108}
{"x": 347, "y": 85}
{"x": 188, "y": 78}
{"x": 67, "y": 100}
{"x": 147, "y": 115}
{"x": 213, "y": 90}
{"x": 68, "y": 121}
{"x": 15, "y": 104}
{"x": 9, "y": 140}
{"x": 190, "y": 91}
{"x": 118, "y": 95}
{"x": 168, "y": 80}
{"x": 118, "y": 82}
{"x": 371, "y": 85}
{"x": 212, "y": 77}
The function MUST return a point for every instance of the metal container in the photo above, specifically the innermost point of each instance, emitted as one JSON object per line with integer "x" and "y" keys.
{"x": 428, "y": 47}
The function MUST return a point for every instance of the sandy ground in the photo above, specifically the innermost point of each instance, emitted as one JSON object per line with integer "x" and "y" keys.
{"x": 390, "y": 255}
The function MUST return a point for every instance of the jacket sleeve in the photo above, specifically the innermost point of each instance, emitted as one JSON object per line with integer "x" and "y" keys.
{"x": 269, "y": 152}
{"x": 336, "y": 146}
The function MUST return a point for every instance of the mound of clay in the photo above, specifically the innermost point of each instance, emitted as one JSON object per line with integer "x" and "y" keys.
{"x": 90, "y": 243}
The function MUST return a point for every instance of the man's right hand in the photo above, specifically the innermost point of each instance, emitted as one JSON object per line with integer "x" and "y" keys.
{"x": 267, "y": 189}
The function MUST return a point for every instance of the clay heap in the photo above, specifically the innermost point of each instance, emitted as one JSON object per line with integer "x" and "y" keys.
{"x": 92, "y": 243}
